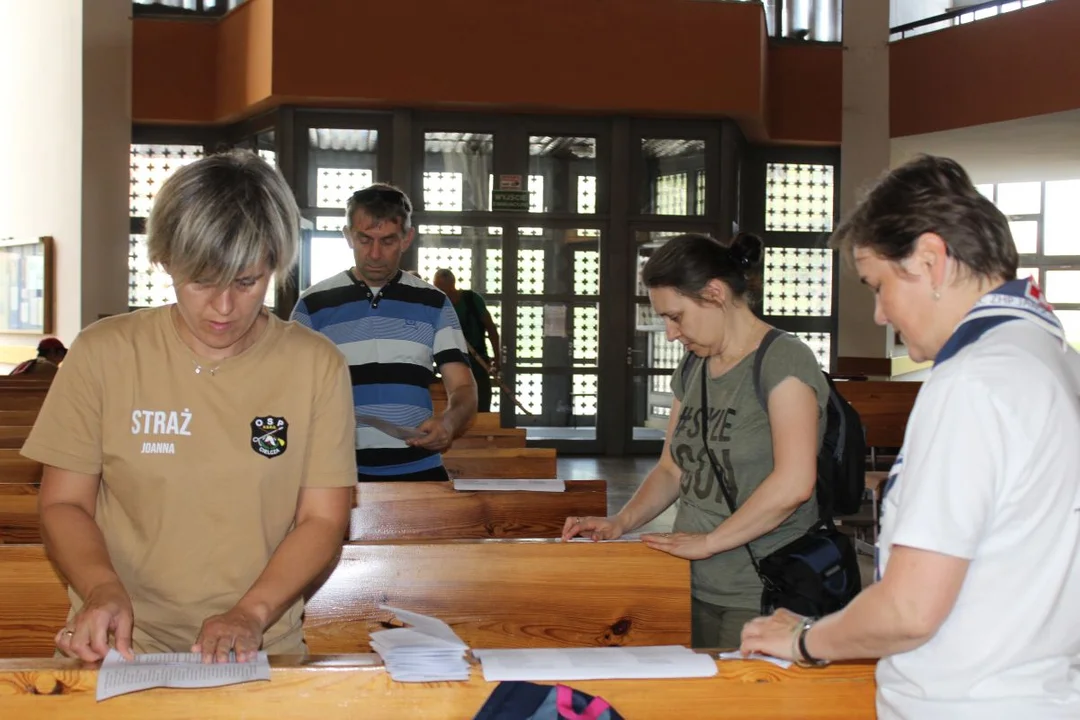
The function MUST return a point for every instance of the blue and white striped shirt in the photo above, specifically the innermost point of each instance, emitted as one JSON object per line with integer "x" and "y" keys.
{"x": 392, "y": 340}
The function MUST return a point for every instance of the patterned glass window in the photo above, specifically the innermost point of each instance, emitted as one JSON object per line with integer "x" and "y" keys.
{"x": 150, "y": 166}
{"x": 493, "y": 272}
{"x": 458, "y": 260}
{"x": 336, "y": 185}
{"x": 798, "y": 281}
{"x": 587, "y": 272}
{"x": 530, "y": 335}
{"x": 671, "y": 194}
{"x": 530, "y": 271}
{"x": 586, "y": 194}
{"x": 463, "y": 159}
{"x": 530, "y": 392}
{"x": 584, "y": 395}
{"x": 442, "y": 192}
{"x": 330, "y": 223}
{"x": 798, "y": 197}
{"x": 699, "y": 195}
{"x": 821, "y": 344}
{"x": 148, "y": 286}
{"x": 586, "y": 335}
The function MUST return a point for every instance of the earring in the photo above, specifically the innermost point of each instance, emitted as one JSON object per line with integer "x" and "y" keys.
{"x": 937, "y": 295}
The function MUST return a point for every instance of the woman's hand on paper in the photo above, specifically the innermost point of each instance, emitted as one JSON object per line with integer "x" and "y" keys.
{"x": 593, "y": 528}
{"x": 107, "y": 610}
{"x": 237, "y": 630}
{"x": 772, "y": 635}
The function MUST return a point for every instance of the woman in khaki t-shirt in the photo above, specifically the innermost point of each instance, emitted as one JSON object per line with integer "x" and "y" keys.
{"x": 768, "y": 461}
{"x": 199, "y": 457}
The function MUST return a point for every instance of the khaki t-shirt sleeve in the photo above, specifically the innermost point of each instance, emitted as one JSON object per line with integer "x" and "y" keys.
{"x": 67, "y": 432}
{"x": 331, "y": 459}
{"x": 788, "y": 357}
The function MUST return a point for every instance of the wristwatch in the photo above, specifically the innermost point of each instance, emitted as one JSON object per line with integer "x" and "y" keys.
{"x": 806, "y": 659}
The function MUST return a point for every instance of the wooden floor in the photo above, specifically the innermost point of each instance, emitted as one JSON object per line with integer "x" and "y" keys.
{"x": 624, "y": 475}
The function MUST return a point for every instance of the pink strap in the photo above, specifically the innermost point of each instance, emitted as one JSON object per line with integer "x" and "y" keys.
{"x": 564, "y": 703}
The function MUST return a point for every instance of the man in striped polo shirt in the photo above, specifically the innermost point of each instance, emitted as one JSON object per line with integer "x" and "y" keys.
{"x": 393, "y": 329}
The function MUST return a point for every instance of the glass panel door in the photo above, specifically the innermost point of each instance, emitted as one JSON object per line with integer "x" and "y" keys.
{"x": 556, "y": 308}
{"x": 650, "y": 356}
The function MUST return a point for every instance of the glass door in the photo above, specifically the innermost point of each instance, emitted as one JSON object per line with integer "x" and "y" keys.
{"x": 553, "y": 364}
{"x": 650, "y": 356}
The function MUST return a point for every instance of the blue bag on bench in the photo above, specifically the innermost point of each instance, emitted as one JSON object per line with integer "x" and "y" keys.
{"x": 528, "y": 701}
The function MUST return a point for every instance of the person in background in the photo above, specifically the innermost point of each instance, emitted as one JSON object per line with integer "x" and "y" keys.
{"x": 50, "y": 353}
{"x": 394, "y": 330}
{"x": 198, "y": 460}
{"x": 479, "y": 329}
{"x": 704, "y": 292}
{"x": 976, "y": 612}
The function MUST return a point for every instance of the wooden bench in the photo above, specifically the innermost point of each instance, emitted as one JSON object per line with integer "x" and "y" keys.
{"x": 347, "y": 687}
{"x": 22, "y": 399}
{"x": 19, "y": 523}
{"x": 396, "y": 511}
{"x": 884, "y": 407}
{"x": 18, "y": 417}
{"x": 435, "y": 511}
{"x": 494, "y": 593}
{"x": 490, "y": 438}
{"x": 12, "y": 437}
{"x": 17, "y": 470}
{"x": 501, "y": 463}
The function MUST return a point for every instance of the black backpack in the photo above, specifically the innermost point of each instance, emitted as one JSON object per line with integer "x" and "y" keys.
{"x": 841, "y": 475}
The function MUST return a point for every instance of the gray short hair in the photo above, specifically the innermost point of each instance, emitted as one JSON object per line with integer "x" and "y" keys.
{"x": 221, "y": 215}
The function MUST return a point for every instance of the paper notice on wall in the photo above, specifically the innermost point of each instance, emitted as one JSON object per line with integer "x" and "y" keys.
{"x": 555, "y": 321}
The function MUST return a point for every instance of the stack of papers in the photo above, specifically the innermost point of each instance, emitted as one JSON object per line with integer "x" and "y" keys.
{"x": 118, "y": 676}
{"x": 606, "y": 663}
{"x": 429, "y": 651}
{"x": 511, "y": 485}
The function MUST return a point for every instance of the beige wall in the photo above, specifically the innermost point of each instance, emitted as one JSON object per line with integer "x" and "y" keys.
{"x": 865, "y": 154}
{"x": 64, "y": 155}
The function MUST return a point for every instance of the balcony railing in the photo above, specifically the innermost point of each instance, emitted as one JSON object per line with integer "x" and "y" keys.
{"x": 960, "y": 16}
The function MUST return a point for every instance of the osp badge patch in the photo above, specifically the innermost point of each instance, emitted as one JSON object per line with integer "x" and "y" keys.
{"x": 269, "y": 435}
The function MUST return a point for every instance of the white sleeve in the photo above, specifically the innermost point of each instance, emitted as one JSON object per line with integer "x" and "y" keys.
{"x": 952, "y": 467}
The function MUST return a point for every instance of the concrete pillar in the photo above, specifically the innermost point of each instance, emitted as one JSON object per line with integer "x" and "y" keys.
{"x": 865, "y": 155}
{"x": 66, "y": 129}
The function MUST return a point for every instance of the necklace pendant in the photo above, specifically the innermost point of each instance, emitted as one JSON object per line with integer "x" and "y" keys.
{"x": 198, "y": 369}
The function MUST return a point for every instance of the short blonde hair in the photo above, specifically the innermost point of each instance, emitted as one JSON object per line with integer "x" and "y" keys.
{"x": 222, "y": 215}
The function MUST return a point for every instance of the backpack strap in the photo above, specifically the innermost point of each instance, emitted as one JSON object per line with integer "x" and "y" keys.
{"x": 759, "y": 360}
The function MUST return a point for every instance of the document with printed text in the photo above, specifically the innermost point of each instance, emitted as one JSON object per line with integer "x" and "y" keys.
{"x": 118, "y": 676}
{"x": 510, "y": 485}
{"x": 604, "y": 663}
{"x": 395, "y": 431}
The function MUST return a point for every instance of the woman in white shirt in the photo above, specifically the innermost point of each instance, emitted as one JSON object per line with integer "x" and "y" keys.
{"x": 976, "y": 612}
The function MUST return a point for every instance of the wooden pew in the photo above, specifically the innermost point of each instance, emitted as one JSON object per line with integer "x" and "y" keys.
{"x": 492, "y": 438}
{"x": 18, "y": 417}
{"x": 22, "y": 399}
{"x": 500, "y": 463}
{"x": 19, "y": 523}
{"x": 396, "y": 511}
{"x": 12, "y": 437}
{"x": 17, "y": 470}
{"x": 435, "y": 511}
{"x": 494, "y": 593}
{"x": 351, "y": 686}
{"x": 884, "y": 407}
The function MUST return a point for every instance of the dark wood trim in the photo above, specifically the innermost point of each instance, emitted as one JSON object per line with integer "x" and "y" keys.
{"x": 868, "y": 366}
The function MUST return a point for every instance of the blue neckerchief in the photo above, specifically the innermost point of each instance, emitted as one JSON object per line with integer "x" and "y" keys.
{"x": 1015, "y": 300}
